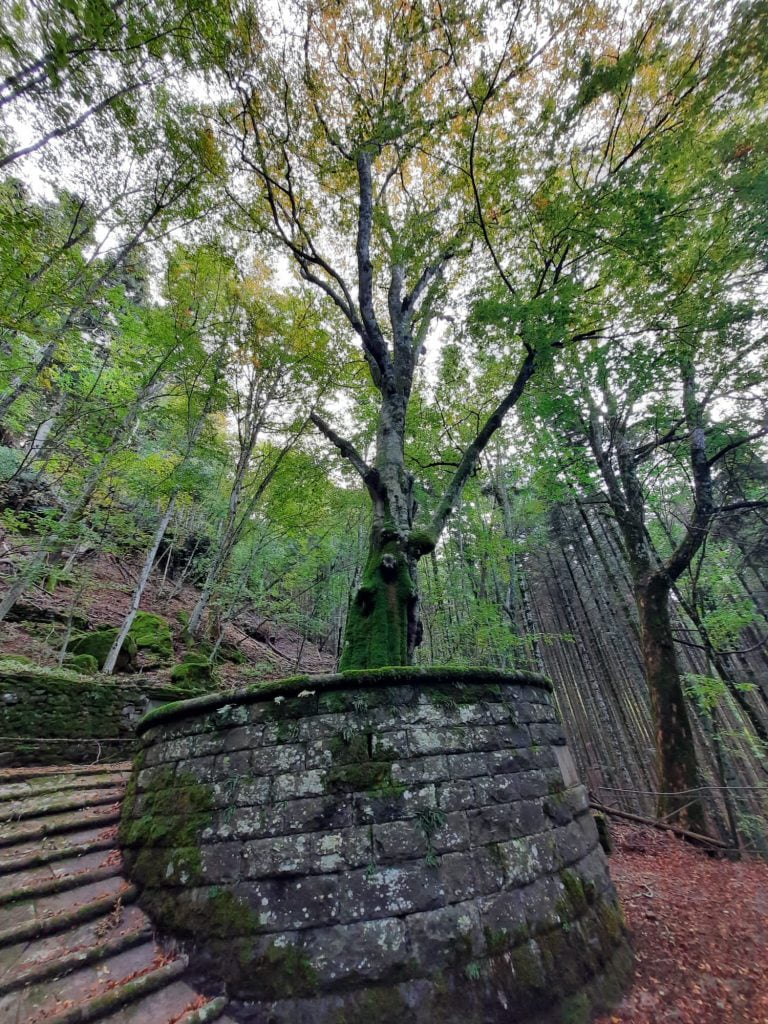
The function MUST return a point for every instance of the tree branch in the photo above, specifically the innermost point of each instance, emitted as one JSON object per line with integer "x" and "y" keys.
{"x": 473, "y": 452}
{"x": 367, "y": 473}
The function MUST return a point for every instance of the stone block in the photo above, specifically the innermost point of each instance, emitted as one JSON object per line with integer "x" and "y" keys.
{"x": 497, "y": 789}
{"x": 392, "y": 744}
{"x": 504, "y": 919}
{"x": 319, "y": 754}
{"x": 322, "y": 726}
{"x": 232, "y": 764}
{"x": 201, "y": 768}
{"x": 257, "y": 858}
{"x": 291, "y": 904}
{"x": 292, "y": 855}
{"x": 294, "y": 785}
{"x": 490, "y": 875}
{"x": 456, "y": 795}
{"x": 541, "y": 900}
{"x": 244, "y": 737}
{"x": 532, "y": 784}
{"x": 251, "y": 822}
{"x": 469, "y": 766}
{"x": 445, "y": 740}
{"x": 398, "y": 841}
{"x": 281, "y": 758}
{"x": 384, "y": 891}
{"x": 507, "y": 762}
{"x": 476, "y": 714}
{"x": 253, "y": 792}
{"x": 548, "y": 734}
{"x": 522, "y": 860}
{"x": 446, "y": 937}
{"x": 394, "y": 806}
{"x": 318, "y": 814}
{"x": 420, "y": 769}
{"x": 222, "y": 862}
{"x": 458, "y": 876}
{"x": 368, "y": 951}
{"x": 452, "y": 835}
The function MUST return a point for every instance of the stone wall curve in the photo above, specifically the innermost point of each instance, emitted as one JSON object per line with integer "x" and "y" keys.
{"x": 402, "y": 845}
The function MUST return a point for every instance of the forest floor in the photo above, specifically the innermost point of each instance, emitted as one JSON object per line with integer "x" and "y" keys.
{"x": 699, "y": 927}
{"x": 270, "y": 649}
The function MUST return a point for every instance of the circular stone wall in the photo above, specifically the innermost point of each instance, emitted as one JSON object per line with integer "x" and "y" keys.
{"x": 405, "y": 846}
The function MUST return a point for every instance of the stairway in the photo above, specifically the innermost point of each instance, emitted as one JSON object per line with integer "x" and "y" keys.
{"x": 74, "y": 945}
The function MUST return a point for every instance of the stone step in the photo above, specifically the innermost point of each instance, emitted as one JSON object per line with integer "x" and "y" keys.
{"x": 95, "y": 991}
{"x": 50, "y": 915}
{"x": 74, "y": 945}
{"x": 99, "y": 815}
{"x": 56, "y": 955}
{"x": 8, "y": 775}
{"x": 27, "y": 879}
{"x": 174, "y": 1004}
{"x": 25, "y": 890}
{"x": 52, "y": 784}
{"x": 54, "y": 803}
{"x": 55, "y": 848}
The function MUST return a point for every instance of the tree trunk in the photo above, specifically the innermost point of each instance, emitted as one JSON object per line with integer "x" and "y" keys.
{"x": 149, "y": 561}
{"x": 678, "y": 781}
{"x": 383, "y": 624}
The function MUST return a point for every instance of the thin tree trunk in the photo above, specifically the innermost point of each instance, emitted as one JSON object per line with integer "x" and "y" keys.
{"x": 149, "y": 561}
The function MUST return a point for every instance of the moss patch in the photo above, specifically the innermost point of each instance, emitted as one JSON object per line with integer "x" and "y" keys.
{"x": 85, "y": 664}
{"x": 66, "y": 708}
{"x": 98, "y": 644}
{"x": 377, "y": 625}
{"x": 151, "y": 633}
{"x": 195, "y": 670}
{"x": 282, "y": 972}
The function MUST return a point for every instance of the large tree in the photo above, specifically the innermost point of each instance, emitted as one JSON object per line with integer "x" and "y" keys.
{"x": 346, "y": 129}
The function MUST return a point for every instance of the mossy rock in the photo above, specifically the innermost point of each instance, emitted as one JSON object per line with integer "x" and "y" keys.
{"x": 83, "y": 663}
{"x": 195, "y": 670}
{"x": 99, "y": 643}
{"x": 152, "y": 634}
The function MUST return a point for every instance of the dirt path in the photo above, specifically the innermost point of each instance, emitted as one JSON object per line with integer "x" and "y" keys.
{"x": 700, "y": 931}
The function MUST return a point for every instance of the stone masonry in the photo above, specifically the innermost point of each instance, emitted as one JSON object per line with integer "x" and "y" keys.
{"x": 404, "y": 845}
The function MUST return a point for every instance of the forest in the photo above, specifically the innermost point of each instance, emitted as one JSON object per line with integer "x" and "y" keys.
{"x": 345, "y": 334}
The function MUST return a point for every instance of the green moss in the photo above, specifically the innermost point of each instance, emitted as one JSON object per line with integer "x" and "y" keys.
{"x": 223, "y": 921}
{"x": 83, "y": 663}
{"x": 421, "y": 542}
{"x": 175, "y": 810}
{"x": 282, "y": 972}
{"x": 497, "y": 941}
{"x": 574, "y": 903}
{"x": 576, "y": 1010}
{"x": 60, "y": 704}
{"x": 195, "y": 670}
{"x": 382, "y": 1005}
{"x": 377, "y": 625}
{"x": 152, "y": 633}
{"x": 352, "y": 778}
{"x": 227, "y": 915}
{"x": 611, "y": 921}
{"x": 527, "y": 970}
{"x": 98, "y": 644}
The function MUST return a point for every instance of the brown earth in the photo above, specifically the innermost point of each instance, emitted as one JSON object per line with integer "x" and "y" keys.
{"x": 102, "y": 592}
{"x": 700, "y": 931}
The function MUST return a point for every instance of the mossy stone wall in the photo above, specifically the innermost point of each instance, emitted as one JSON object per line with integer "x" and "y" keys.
{"x": 396, "y": 846}
{"x": 51, "y": 716}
